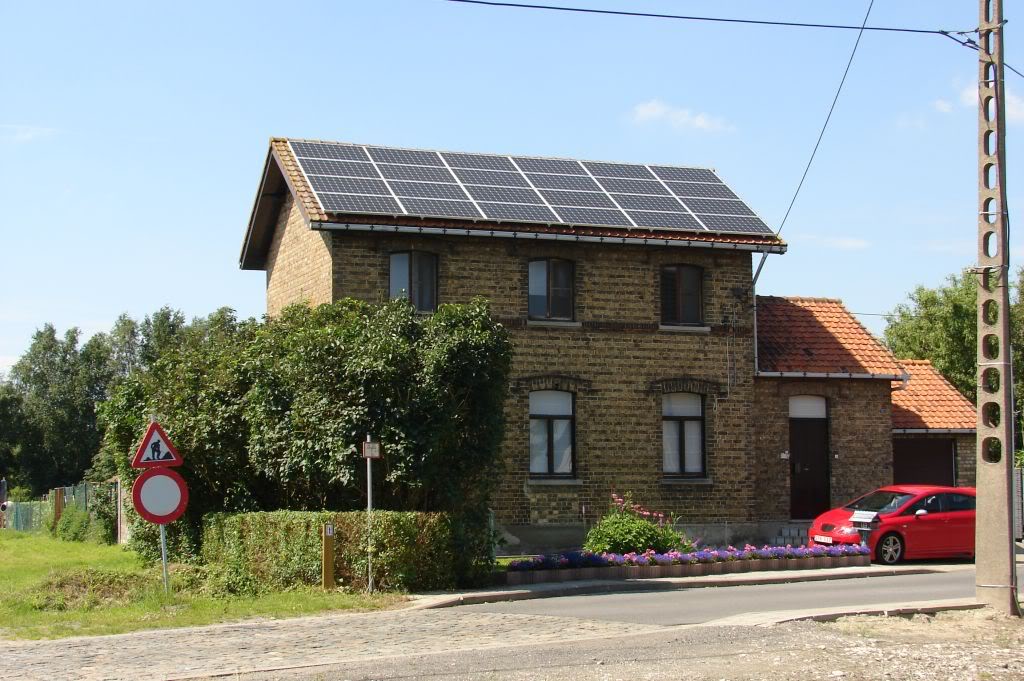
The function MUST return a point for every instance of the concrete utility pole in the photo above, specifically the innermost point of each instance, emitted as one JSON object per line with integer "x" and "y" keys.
{"x": 996, "y": 578}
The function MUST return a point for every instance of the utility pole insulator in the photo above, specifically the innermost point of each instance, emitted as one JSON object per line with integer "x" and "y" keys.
{"x": 995, "y": 568}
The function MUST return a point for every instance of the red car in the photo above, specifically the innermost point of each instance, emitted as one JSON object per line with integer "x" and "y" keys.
{"x": 914, "y": 521}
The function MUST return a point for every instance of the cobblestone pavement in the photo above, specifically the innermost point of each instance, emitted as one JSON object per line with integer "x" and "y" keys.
{"x": 285, "y": 644}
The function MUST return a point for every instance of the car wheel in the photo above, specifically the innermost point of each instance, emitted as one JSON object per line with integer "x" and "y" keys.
{"x": 889, "y": 550}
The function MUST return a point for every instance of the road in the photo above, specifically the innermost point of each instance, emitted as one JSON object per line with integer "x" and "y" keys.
{"x": 697, "y": 606}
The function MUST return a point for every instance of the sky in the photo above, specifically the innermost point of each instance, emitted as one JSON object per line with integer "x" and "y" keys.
{"x": 132, "y": 135}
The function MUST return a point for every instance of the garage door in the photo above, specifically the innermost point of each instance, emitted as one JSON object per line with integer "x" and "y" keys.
{"x": 924, "y": 461}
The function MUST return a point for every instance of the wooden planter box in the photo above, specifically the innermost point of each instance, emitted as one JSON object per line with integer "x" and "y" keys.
{"x": 521, "y": 577}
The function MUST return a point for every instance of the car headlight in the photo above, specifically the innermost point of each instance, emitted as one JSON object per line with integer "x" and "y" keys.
{"x": 847, "y": 529}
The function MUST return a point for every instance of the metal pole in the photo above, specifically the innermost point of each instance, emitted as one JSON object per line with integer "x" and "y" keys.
{"x": 369, "y": 520}
{"x": 995, "y": 569}
{"x": 163, "y": 557}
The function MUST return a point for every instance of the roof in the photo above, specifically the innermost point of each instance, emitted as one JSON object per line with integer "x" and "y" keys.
{"x": 930, "y": 402}
{"x": 284, "y": 173}
{"x": 818, "y": 337}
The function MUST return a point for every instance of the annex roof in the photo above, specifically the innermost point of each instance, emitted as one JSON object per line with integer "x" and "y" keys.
{"x": 347, "y": 186}
{"x": 818, "y": 338}
{"x": 929, "y": 402}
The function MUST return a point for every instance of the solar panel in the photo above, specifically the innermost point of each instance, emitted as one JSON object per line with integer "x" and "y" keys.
{"x": 573, "y": 182}
{"x": 638, "y": 202}
{"x": 592, "y": 216}
{"x": 711, "y": 191}
{"x": 632, "y": 186}
{"x": 350, "y": 203}
{"x": 592, "y": 199}
{"x": 429, "y": 190}
{"x": 444, "y": 209}
{"x": 503, "y": 194}
{"x": 515, "y": 211}
{"x": 496, "y": 177}
{"x": 686, "y": 174}
{"x": 618, "y": 170}
{"x": 481, "y": 161}
{"x": 348, "y": 185}
{"x": 416, "y": 173}
{"x": 349, "y": 178}
{"x": 557, "y": 166}
{"x": 718, "y": 207}
{"x": 409, "y": 156}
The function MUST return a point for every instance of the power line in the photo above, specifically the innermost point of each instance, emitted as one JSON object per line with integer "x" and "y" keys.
{"x": 814, "y": 152}
{"x": 624, "y": 13}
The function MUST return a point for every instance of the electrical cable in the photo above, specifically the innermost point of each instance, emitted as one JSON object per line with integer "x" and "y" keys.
{"x": 821, "y": 135}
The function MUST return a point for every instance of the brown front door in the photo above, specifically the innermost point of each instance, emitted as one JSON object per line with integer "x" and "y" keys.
{"x": 923, "y": 461}
{"x": 808, "y": 468}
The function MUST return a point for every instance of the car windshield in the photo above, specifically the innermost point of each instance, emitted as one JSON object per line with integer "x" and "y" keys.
{"x": 880, "y": 502}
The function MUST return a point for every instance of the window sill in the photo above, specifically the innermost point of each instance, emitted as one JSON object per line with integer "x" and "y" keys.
{"x": 554, "y": 482}
{"x": 686, "y": 481}
{"x": 553, "y": 323}
{"x": 684, "y": 329}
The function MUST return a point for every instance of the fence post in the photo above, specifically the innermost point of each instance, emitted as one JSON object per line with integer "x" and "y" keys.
{"x": 58, "y": 504}
{"x": 327, "y": 556}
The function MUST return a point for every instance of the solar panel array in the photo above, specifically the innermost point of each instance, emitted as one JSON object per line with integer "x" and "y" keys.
{"x": 387, "y": 181}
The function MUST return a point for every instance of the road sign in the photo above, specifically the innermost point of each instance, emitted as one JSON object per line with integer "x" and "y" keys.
{"x": 371, "y": 450}
{"x": 156, "y": 450}
{"x": 160, "y": 495}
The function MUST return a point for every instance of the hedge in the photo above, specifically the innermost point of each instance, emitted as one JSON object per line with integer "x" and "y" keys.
{"x": 412, "y": 551}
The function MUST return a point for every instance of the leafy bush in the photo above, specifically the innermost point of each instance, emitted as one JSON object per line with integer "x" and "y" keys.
{"x": 629, "y": 527}
{"x": 73, "y": 524}
{"x": 246, "y": 552}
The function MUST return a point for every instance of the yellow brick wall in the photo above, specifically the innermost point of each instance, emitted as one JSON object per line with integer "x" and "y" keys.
{"x": 298, "y": 262}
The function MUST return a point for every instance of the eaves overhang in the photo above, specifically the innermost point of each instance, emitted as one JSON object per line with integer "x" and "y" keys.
{"x": 829, "y": 374}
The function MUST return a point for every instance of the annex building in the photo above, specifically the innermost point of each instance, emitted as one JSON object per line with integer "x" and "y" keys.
{"x": 643, "y": 361}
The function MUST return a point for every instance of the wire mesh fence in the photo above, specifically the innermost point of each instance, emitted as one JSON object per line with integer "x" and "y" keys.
{"x": 26, "y": 516}
{"x": 31, "y": 516}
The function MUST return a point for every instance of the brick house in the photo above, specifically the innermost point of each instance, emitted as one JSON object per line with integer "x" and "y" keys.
{"x": 635, "y": 364}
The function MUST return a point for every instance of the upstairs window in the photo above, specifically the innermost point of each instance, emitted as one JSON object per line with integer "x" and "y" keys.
{"x": 682, "y": 430}
{"x": 414, "y": 276}
{"x": 551, "y": 289}
{"x": 682, "y": 295}
{"x": 552, "y": 433}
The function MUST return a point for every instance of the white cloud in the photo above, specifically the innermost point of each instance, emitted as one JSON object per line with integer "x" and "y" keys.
{"x": 23, "y": 134}
{"x": 969, "y": 95}
{"x": 657, "y": 111}
{"x": 6, "y": 362}
{"x": 838, "y": 243}
{"x": 1014, "y": 104}
{"x": 942, "y": 105}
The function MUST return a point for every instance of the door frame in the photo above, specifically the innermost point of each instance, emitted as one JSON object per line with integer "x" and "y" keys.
{"x": 828, "y": 451}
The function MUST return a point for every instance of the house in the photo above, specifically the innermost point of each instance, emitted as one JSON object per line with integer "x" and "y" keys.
{"x": 933, "y": 429}
{"x": 627, "y": 290}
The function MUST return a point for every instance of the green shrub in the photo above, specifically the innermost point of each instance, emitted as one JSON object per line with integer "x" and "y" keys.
{"x": 250, "y": 552}
{"x": 629, "y": 527}
{"x": 73, "y": 524}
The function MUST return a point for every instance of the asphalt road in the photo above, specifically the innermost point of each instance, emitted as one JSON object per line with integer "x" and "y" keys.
{"x": 696, "y": 606}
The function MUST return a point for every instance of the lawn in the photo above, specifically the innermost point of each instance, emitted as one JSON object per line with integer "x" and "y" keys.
{"x": 51, "y": 589}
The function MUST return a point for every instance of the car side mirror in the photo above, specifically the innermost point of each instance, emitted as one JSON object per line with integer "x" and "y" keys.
{"x": 920, "y": 512}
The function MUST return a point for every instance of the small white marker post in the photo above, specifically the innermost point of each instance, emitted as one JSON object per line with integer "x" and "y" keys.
{"x": 371, "y": 451}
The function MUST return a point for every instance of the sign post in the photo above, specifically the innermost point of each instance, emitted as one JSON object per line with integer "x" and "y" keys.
{"x": 371, "y": 451}
{"x": 160, "y": 494}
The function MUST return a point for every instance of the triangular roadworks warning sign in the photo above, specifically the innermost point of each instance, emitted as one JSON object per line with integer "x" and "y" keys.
{"x": 156, "y": 450}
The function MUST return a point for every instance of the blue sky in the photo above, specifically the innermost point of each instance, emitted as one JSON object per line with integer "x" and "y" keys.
{"x": 132, "y": 134}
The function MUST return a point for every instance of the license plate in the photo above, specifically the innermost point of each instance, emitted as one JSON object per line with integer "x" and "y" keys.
{"x": 821, "y": 539}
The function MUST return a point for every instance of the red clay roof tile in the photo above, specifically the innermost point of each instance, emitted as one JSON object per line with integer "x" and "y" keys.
{"x": 817, "y": 336}
{"x": 930, "y": 401}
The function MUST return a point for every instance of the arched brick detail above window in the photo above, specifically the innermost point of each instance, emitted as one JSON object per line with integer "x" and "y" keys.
{"x": 551, "y": 382}
{"x": 687, "y": 384}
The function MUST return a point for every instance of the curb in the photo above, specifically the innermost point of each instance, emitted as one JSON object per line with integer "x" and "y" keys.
{"x": 593, "y": 586}
{"x": 767, "y": 619}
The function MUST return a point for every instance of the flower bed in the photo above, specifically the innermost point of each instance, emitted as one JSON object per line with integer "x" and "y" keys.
{"x": 649, "y": 564}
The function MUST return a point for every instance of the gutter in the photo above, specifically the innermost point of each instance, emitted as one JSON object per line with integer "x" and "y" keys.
{"x": 826, "y": 374}
{"x": 938, "y": 431}
{"x": 448, "y": 231}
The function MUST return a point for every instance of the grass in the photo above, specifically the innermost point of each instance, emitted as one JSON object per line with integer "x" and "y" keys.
{"x": 52, "y": 589}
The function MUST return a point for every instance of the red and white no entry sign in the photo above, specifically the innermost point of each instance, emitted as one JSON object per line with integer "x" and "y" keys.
{"x": 160, "y": 495}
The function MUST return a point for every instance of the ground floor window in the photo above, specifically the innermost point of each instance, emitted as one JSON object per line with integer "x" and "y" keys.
{"x": 552, "y": 433}
{"x": 682, "y": 429}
